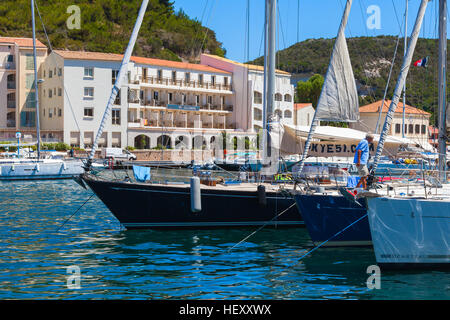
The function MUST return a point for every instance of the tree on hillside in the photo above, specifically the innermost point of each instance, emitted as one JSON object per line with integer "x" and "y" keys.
{"x": 309, "y": 91}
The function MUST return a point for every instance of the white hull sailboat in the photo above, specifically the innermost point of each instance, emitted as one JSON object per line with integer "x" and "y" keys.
{"x": 414, "y": 232}
{"x": 410, "y": 233}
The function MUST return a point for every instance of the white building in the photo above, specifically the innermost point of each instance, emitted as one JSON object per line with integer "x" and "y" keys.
{"x": 17, "y": 93}
{"x": 303, "y": 114}
{"x": 75, "y": 91}
{"x": 248, "y": 88}
{"x": 161, "y": 104}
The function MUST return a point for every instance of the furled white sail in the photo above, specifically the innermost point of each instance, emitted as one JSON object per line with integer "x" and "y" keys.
{"x": 339, "y": 97}
{"x": 338, "y": 100}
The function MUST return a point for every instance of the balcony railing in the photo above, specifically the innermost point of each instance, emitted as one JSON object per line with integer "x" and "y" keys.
{"x": 10, "y": 123}
{"x": 11, "y": 104}
{"x": 8, "y": 65}
{"x": 184, "y": 83}
{"x": 11, "y": 85}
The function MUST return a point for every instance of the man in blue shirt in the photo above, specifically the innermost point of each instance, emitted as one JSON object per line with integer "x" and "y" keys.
{"x": 361, "y": 158}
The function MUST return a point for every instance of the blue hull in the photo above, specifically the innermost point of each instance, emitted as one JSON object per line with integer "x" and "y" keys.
{"x": 325, "y": 215}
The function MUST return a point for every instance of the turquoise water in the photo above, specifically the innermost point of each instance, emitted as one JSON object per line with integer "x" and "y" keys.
{"x": 119, "y": 264}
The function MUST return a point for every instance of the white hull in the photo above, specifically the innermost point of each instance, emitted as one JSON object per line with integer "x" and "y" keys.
{"x": 43, "y": 169}
{"x": 410, "y": 232}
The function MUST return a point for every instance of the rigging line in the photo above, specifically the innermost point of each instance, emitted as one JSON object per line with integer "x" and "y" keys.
{"x": 194, "y": 40}
{"x": 43, "y": 26}
{"x": 281, "y": 27}
{"x": 207, "y": 22}
{"x": 265, "y": 224}
{"x": 75, "y": 212}
{"x": 321, "y": 244}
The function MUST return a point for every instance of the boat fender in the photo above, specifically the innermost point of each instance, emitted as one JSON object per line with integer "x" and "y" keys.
{"x": 262, "y": 200}
{"x": 37, "y": 167}
{"x": 13, "y": 168}
{"x": 196, "y": 198}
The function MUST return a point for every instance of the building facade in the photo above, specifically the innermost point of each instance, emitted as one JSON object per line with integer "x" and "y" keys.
{"x": 161, "y": 104}
{"x": 248, "y": 92}
{"x": 303, "y": 114}
{"x": 17, "y": 91}
{"x": 416, "y": 121}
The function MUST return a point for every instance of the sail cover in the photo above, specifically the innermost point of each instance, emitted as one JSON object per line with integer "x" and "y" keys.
{"x": 339, "y": 98}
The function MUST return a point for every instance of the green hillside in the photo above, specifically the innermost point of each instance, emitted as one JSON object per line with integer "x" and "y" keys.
{"x": 106, "y": 26}
{"x": 371, "y": 57}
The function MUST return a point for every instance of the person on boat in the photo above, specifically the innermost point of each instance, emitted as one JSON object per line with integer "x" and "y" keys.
{"x": 361, "y": 158}
{"x": 71, "y": 152}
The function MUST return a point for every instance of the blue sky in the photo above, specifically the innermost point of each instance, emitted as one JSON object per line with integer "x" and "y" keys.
{"x": 317, "y": 19}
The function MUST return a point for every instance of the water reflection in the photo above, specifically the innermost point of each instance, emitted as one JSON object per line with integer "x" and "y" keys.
{"x": 118, "y": 264}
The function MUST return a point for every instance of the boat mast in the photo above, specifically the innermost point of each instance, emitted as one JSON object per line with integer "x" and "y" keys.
{"x": 404, "y": 54}
{"x": 123, "y": 69}
{"x": 269, "y": 74}
{"x": 36, "y": 91}
{"x": 400, "y": 83}
{"x": 442, "y": 99}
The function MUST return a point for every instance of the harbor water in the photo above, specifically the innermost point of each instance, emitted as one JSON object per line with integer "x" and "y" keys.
{"x": 184, "y": 264}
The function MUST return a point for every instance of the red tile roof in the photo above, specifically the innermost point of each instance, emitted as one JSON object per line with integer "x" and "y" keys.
{"x": 374, "y": 107}
{"x": 176, "y": 64}
{"x": 85, "y": 55}
{"x": 298, "y": 106}
{"x": 22, "y": 42}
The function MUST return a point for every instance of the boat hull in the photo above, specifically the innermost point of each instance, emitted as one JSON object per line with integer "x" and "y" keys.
{"x": 327, "y": 215}
{"x": 40, "y": 170}
{"x": 151, "y": 206}
{"x": 410, "y": 233}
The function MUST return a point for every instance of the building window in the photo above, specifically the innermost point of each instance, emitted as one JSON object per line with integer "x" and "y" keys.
{"x": 156, "y": 95}
{"x": 213, "y": 80}
{"x": 89, "y": 92}
{"x": 159, "y": 74}
{"x": 209, "y": 101}
{"x": 116, "y": 116}
{"x": 200, "y": 79}
{"x": 50, "y": 73}
{"x": 257, "y": 114}
{"x": 278, "y": 97}
{"x": 59, "y": 112}
{"x": 406, "y": 129}
{"x": 187, "y": 77}
{"x": 174, "y": 76}
{"x": 29, "y": 81}
{"x": 29, "y": 62}
{"x": 287, "y": 98}
{"x": 411, "y": 129}
{"x": 59, "y": 72}
{"x": 117, "y": 100}
{"x": 225, "y": 81}
{"x": 288, "y": 114}
{"x": 88, "y": 112}
{"x": 50, "y": 93}
{"x": 50, "y": 114}
{"x": 115, "y": 73}
{"x": 59, "y": 92}
{"x": 197, "y": 100}
{"x": 257, "y": 97}
{"x": 31, "y": 100}
{"x": 169, "y": 97}
{"x": 28, "y": 118}
{"x": 44, "y": 73}
{"x": 424, "y": 129}
{"x": 417, "y": 128}
{"x": 89, "y": 72}
{"x": 397, "y": 127}
{"x": 10, "y": 58}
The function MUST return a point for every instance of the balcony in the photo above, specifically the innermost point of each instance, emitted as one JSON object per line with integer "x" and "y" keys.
{"x": 184, "y": 83}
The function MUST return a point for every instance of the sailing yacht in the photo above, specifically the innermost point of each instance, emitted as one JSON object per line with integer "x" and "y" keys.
{"x": 38, "y": 168}
{"x": 414, "y": 232}
{"x": 326, "y": 215}
{"x": 140, "y": 204}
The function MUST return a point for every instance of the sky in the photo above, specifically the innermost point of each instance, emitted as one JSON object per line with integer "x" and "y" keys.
{"x": 314, "y": 18}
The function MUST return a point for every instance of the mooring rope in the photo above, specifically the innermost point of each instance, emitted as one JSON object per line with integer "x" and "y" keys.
{"x": 75, "y": 212}
{"x": 265, "y": 224}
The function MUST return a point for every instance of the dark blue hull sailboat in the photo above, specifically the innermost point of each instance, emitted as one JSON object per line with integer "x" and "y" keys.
{"x": 326, "y": 215}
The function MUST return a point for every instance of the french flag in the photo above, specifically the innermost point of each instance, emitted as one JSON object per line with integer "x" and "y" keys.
{"x": 421, "y": 63}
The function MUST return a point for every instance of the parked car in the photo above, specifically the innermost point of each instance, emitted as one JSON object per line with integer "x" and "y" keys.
{"x": 117, "y": 153}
